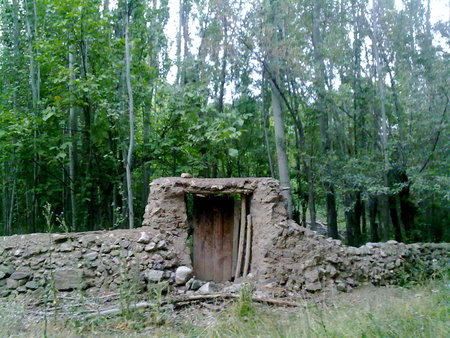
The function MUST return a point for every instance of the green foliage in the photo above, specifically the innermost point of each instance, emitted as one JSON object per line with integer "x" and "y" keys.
{"x": 61, "y": 118}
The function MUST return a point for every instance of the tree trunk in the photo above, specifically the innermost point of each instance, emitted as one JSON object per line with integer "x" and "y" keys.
{"x": 265, "y": 118}
{"x": 283, "y": 166}
{"x": 320, "y": 80}
{"x": 72, "y": 148}
{"x": 385, "y": 219}
{"x": 350, "y": 219}
{"x": 223, "y": 70}
{"x": 373, "y": 209}
{"x": 353, "y": 211}
{"x": 363, "y": 222}
{"x": 131, "y": 122}
{"x": 280, "y": 140}
{"x": 358, "y": 214}
{"x": 394, "y": 217}
{"x": 331, "y": 211}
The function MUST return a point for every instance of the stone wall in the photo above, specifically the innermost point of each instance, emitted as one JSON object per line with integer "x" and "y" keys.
{"x": 283, "y": 252}
{"x": 301, "y": 259}
{"x": 298, "y": 259}
{"x": 93, "y": 261}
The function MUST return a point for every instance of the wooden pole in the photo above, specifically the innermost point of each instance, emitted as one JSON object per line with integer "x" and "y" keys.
{"x": 248, "y": 245}
{"x": 241, "y": 236}
{"x": 237, "y": 212}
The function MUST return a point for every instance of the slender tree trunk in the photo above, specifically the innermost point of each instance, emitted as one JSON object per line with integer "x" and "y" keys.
{"x": 223, "y": 70}
{"x": 131, "y": 122}
{"x": 183, "y": 34}
{"x": 265, "y": 119}
{"x": 363, "y": 221}
{"x": 408, "y": 209}
{"x": 394, "y": 217}
{"x": 278, "y": 119}
{"x": 320, "y": 80}
{"x": 358, "y": 214}
{"x": 373, "y": 209}
{"x": 384, "y": 132}
{"x": 179, "y": 32}
{"x": 34, "y": 79}
{"x": 72, "y": 148}
{"x": 331, "y": 211}
{"x": 311, "y": 197}
{"x": 385, "y": 218}
{"x": 353, "y": 212}
{"x": 146, "y": 139}
{"x": 350, "y": 219}
{"x": 32, "y": 75}
{"x": 283, "y": 166}
{"x": 320, "y": 77}
{"x": 106, "y": 6}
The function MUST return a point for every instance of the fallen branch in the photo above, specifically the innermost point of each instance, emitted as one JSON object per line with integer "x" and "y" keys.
{"x": 185, "y": 301}
{"x": 270, "y": 301}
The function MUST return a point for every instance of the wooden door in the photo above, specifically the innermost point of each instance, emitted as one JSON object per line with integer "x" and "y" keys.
{"x": 213, "y": 237}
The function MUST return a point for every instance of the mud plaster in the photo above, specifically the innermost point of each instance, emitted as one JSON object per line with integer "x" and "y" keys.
{"x": 166, "y": 211}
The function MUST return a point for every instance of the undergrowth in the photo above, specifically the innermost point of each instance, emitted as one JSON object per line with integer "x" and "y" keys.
{"x": 418, "y": 311}
{"x": 378, "y": 312}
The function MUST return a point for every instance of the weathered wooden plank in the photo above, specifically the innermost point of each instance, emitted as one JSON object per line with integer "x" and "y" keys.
{"x": 236, "y": 212}
{"x": 227, "y": 242}
{"x": 241, "y": 236}
{"x": 248, "y": 245}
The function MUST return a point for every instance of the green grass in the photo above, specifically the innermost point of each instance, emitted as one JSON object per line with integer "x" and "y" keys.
{"x": 384, "y": 312}
{"x": 418, "y": 311}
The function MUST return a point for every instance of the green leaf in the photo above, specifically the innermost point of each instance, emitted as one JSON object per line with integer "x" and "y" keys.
{"x": 48, "y": 115}
{"x": 233, "y": 152}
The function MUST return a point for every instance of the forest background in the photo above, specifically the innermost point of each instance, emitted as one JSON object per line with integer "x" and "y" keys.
{"x": 344, "y": 101}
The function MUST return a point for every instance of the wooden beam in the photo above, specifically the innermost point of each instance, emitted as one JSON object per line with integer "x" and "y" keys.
{"x": 241, "y": 236}
{"x": 248, "y": 246}
{"x": 237, "y": 211}
{"x": 208, "y": 191}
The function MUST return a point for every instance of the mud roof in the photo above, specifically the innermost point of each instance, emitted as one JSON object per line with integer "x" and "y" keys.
{"x": 191, "y": 185}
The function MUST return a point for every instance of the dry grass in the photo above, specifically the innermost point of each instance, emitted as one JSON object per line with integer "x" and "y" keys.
{"x": 419, "y": 311}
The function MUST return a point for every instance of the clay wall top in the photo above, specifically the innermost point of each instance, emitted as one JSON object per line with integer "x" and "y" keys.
{"x": 214, "y": 185}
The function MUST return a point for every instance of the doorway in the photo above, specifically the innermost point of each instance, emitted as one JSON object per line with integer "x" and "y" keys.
{"x": 213, "y": 236}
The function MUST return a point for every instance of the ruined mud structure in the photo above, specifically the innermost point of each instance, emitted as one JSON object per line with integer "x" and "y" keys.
{"x": 199, "y": 230}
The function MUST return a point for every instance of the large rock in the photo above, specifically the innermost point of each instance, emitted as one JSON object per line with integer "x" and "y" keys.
{"x": 32, "y": 285}
{"x": 194, "y": 284}
{"x": 154, "y": 275}
{"x": 313, "y": 287}
{"x": 91, "y": 256}
{"x": 208, "y": 288}
{"x": 68, "y": 279}
{"x": 182, "y": 275}
{"x": 144, "y": 239}
{"x": 21, "y": 274}
{"x": 311, "y": 276}
{"x": 14, "y": 283}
